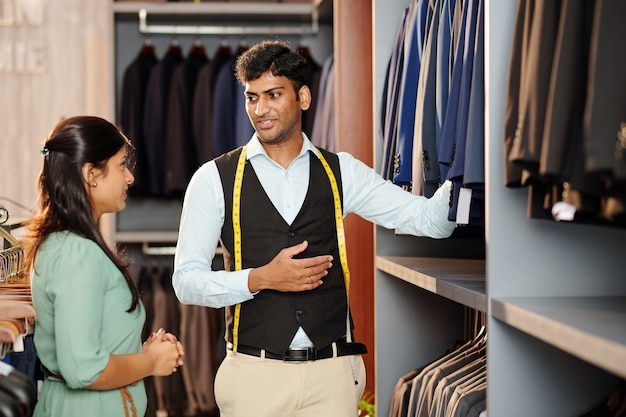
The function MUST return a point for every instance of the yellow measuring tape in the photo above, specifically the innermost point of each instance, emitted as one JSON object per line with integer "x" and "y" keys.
{"x": 341, "y": 238}
{"x": 237, "y": 229}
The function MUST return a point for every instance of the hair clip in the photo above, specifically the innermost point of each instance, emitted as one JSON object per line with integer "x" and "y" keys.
{"x": 44, "y": 152}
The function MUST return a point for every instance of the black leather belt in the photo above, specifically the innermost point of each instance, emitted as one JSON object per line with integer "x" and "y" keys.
{"x": 308, "y": 354}
{"x": 47, "y": 374}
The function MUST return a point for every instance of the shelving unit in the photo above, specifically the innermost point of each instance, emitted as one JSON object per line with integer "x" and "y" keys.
{"x": 271, "y": 11}
{"x": 590, "y": 328}
{"x": 226, "y": 18}
{"x": 459, "y": 280}
{"x": 554, "y": 293}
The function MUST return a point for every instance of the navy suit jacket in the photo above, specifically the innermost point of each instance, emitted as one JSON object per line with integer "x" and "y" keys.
{"x": 154, "y": 118}
{"x": 391, "y": 93}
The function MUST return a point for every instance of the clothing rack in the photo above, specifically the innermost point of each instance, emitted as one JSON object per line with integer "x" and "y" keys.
{"x": 226, "y": 9}
{"x": 11, "y": 256}
{"x": 151, "y": 250}
{"x": 16, "y": 310}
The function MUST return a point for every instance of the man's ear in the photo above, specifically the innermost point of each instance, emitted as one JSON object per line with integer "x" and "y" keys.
{"x": 305, "y": 97}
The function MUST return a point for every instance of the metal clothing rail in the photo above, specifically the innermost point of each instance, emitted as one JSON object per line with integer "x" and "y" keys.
{"x": 146, "y": 249}
{"x": 180, "y": 29}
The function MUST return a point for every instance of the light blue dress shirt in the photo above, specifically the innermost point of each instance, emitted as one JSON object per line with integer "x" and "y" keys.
{"x": 365, "y": 193}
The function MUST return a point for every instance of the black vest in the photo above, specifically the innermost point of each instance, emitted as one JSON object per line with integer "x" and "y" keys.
{"x": 271, "y": 319}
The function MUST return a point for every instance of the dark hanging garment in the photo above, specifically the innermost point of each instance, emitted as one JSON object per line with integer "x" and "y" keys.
{"x": 155, "y": 119}
{"x": 391, "y": 93}
{"x": 181, "y": 161}
{"x": 202, "y": 119}
{"x": 223, "y": 129}
{"x": 513, "y": 173}
{"x": 537, "y": 62}
{"x": 134, "y": 87}
{"x": 313, "y": 76}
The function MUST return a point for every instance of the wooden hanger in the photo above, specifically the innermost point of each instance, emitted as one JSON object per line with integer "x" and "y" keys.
{"x": 14, "y": 326}
{"x": 16, "y": 309}
{"x": 7, "y": 336}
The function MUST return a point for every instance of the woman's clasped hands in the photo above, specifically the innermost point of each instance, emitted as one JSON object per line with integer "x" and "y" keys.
{"x": 165, "y": 351}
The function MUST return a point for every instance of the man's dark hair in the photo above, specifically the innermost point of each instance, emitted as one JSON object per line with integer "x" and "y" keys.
{"x": 277, "y": 58}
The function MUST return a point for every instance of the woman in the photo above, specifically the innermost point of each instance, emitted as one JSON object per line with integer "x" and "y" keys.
{"x": 89, "y": 317}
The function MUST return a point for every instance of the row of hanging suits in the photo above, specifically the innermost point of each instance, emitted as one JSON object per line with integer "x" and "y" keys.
{"x": 432, "y": 112}
{"x": 614, "y": 405}
{"x": 189, "y": 392}
{"x": 565, "y": 116}
{"x": 180, "y": 112}
{"x": 454, "y": 385}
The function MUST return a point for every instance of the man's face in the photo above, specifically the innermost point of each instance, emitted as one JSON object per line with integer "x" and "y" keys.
{"x": 273, "y": 108}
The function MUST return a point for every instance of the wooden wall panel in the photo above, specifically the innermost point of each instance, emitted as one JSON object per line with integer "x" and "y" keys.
{"x": 55, "y": 61}
{"x": 354, "y": 133}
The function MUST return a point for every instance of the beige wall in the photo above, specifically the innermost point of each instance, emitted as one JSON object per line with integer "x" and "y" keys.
{"x": 55, "y": 61}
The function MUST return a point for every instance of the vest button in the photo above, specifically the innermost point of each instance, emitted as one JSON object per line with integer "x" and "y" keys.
{"x": 291, "y": 233}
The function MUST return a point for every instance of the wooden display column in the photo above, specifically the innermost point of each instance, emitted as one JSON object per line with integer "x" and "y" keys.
{"x": 354, "y": 132}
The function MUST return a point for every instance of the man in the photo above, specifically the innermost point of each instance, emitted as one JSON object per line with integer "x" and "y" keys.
{"x": 276, "y": 206}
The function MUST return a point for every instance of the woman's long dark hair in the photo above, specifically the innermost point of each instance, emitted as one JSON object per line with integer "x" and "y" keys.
{"x": 63, "y": 200}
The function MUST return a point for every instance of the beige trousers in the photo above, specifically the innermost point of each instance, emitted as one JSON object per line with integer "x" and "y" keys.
{"x": 247, "y": 386}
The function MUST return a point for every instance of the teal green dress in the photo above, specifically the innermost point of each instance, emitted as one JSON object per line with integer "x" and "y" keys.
{"x": 81, "y": 300}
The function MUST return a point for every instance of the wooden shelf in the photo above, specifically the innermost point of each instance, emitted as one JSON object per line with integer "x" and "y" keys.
{"x": 590, "y": 328}
{"x": 228, "y": 11}
{"x": 460, "y": 280}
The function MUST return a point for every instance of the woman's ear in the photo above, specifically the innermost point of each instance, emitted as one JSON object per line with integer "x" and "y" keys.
{"x": 90, "y": 174}
{"x": 305, "y": 97}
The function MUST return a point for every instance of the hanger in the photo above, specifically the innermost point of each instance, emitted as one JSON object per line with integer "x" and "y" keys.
{"x": 243, "y": 45}
{"x": 17, "y": 327}
{"x": 480, "y": 334}
{"x": 16, "y": 290}
{"x": 223, "y": 48}
{"x": 147, "y": 48}
{"x": 11, "y": 261}
{"x": 175, "y": 49}
{"x": 197, "y": 49}
{"x": 8, "y": 332}
{"x": 15, "y": 309}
